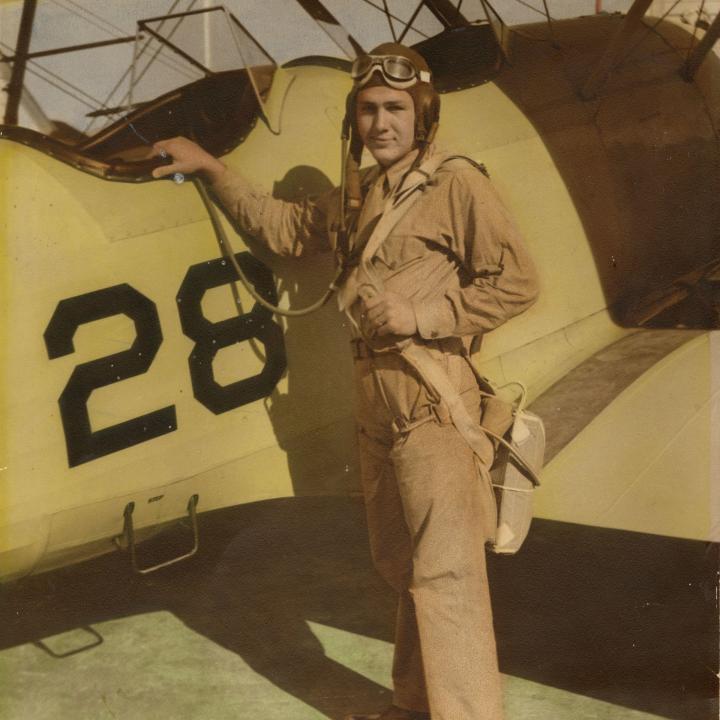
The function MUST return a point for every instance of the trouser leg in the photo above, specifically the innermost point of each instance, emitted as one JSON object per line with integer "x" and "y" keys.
{"x": 409, "y": 690}
{"x": 428, "y": 517}
{"x": 391, "y": 549}
{"x": 443, "y": 500}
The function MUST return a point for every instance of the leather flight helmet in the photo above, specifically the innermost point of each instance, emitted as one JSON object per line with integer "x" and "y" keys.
{"x": 401, "y": 68}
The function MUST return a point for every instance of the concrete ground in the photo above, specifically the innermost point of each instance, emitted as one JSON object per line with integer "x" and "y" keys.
{"x": 281, "y": 616}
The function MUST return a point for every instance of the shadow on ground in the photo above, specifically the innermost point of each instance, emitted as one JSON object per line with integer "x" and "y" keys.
{"x": 626, "y": 618}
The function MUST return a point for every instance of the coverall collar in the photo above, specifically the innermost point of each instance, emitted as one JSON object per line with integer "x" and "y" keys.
{"x": 394, "y": 174}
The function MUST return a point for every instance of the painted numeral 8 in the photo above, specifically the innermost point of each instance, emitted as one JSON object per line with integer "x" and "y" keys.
{"x": 211, "y": 337}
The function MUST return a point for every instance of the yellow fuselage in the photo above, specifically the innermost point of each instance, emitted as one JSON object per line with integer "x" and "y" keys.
{"x": 615, "y": 198}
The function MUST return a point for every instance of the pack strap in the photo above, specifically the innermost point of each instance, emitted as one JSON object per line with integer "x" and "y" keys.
{"x": 472, "y": 432}
{"x": 397, "y": 205}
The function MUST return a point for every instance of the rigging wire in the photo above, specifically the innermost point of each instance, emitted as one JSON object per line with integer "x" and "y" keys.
{"x": 69, "y": 89}
{"x": 64, "y": 86}
{"x": 390, "y": 22}
{"x": 77, "y": 98}
{"x": 528, "y": 36}
{"x": 95, "y": 20}
{"x": 181, "y": 68}
{"x": 106, "y": 26}
{"x": 111, "y": 29}
{"x": 394, "y": 17}
{"x": 178, "y": 178}
{"x": 407, "y": 27}
{"x": 534, "y": 9}
{"x": 34, "y": 68}
{"x": 648, "y": 30}
{"x": 169, "y": 35}
{"x": 550, "y": 24}
{"x": 136, "y": 57}
{"x": 695, "y": 27}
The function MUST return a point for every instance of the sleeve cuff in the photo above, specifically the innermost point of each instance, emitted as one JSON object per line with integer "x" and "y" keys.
{"x": 434, "y": 319}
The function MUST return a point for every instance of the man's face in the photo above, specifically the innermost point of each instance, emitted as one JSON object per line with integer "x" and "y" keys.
{"x": 386, "y": 122}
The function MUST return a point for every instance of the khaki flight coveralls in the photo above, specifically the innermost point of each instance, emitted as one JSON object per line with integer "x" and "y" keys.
{"x": 458, "y": 257}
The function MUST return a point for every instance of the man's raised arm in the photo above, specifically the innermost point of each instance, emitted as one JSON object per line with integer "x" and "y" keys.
{"x": 286, "y": 228}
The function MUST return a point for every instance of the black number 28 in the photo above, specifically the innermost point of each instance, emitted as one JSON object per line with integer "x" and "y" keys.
{"x": 84, "y": 444}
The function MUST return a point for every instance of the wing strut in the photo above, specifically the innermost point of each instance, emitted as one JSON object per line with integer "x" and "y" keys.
{"x": 698, "y": 55}
{"x": 553, "y": 41}
{"x": 615, "y": 50}
{"x": 15, "y": 86}
{"x": 447, "y": 13}
{"x": 335, "y": 31}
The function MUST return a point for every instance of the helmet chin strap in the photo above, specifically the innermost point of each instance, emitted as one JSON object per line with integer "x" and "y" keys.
{"x": 424, "y": 144}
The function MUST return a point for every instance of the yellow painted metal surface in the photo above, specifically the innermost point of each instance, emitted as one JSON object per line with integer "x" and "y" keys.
{"x": 4, "y": 326}
{"x": 69, "y": 234}
{"x": 644, "y": 463}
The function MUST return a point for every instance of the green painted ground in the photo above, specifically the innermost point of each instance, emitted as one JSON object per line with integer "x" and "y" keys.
{"x": 154, "y": 666}
{"x": 282, "y": 617}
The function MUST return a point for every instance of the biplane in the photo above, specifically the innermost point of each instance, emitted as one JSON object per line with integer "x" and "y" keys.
{"x": 140, "y": 385}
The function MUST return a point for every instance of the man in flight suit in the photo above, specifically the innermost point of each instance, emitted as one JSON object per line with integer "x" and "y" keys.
{"x": 451, "y": 268}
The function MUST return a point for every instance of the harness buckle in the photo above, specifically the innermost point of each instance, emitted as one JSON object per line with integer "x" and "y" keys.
{"x": 437, "y": 412}
{"x": 441, "y": 413}
{"x": 400, "y": 426}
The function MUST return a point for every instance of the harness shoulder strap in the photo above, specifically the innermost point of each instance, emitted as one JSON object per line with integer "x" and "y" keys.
{"x": 478, "y": 166}
{"x": 397, "y": 205}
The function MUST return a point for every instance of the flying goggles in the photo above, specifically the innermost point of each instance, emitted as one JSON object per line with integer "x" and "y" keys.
{"x": 397, "y": 71}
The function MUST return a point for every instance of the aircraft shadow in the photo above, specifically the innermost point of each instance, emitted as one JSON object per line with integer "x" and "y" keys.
{"x": 313, "y": 419}
{"x": 622, "y": 617}
{"x": 648, "y": 209}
